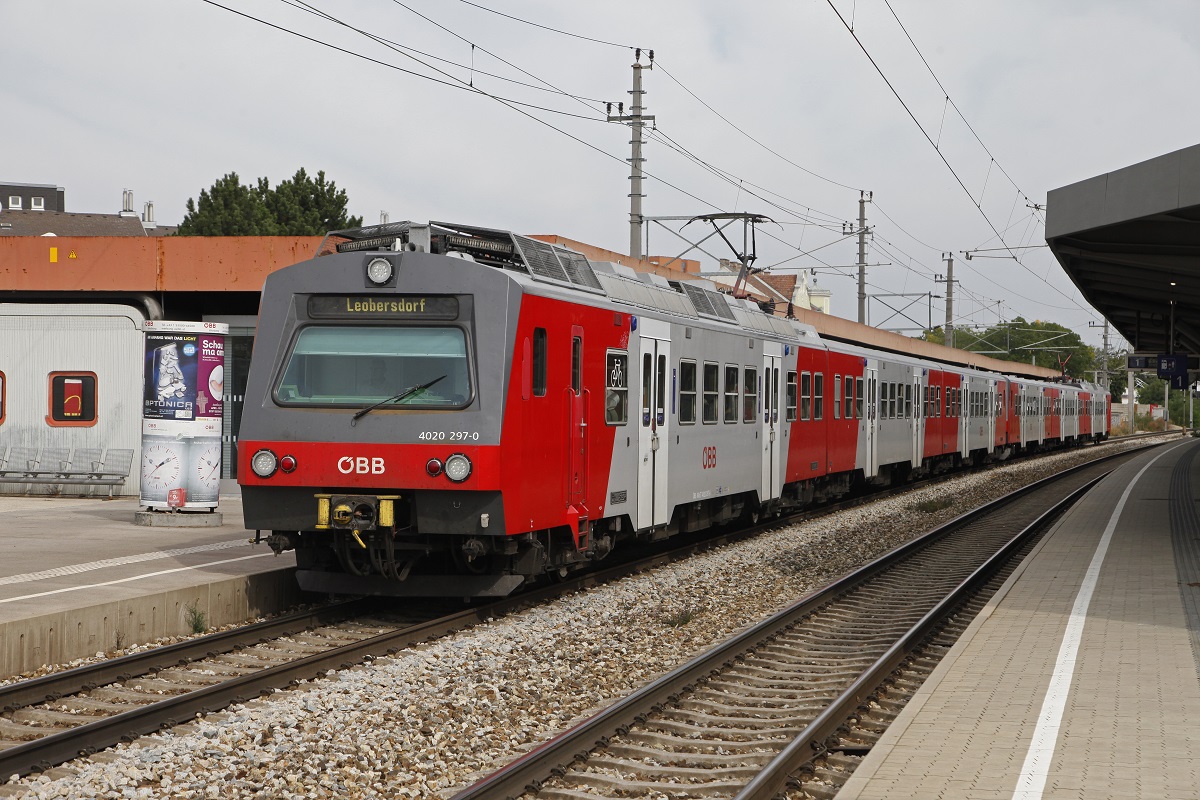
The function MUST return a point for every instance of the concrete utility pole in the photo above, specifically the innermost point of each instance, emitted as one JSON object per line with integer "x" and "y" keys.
{"x": 636, "y": 120}
{"x": 863, "y": 199}
{"x": 949, "y": 281}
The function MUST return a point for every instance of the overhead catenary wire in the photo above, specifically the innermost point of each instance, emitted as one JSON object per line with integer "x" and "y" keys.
{"x": 941, "y": 155}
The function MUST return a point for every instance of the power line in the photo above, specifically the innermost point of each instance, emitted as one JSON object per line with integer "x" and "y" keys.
{"x": 933, "y": 144}
{"x": 547, "y": 27}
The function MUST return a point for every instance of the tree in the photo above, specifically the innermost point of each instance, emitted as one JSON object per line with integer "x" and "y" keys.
{"x": 302, "y": 206}
{"x": 1046, "y": 344}
{"x": 229, "y": 209}
{"x": 299, "y": 206}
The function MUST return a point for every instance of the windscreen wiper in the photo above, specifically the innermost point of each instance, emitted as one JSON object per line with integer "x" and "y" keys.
{"x": 393, "y": 399}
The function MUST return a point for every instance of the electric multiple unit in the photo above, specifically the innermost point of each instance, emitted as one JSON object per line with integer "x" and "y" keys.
{"x": 451, "y": 410}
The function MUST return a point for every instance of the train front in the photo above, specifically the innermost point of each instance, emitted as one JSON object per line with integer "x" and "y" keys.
{"x": 369, "y": 440}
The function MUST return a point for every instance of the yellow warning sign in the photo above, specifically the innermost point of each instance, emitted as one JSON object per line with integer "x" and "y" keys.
{"x": 72, "y": 255}
{"x": 53, "y": 255}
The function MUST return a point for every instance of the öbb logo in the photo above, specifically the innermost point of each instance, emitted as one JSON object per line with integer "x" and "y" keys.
{"x": 360, "y": 465}
{"x": 708, "y": 459}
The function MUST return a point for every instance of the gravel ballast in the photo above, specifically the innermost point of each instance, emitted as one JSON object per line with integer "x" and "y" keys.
{"x": 428, "y": 720}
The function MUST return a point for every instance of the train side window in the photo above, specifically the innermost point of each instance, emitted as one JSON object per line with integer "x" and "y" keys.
{"x": 750, "y": 395}
{"x": 731, "y": 393}
{"x": 712, "y": 392}
{"x": 576, "y": 364}
{"x": 908, "y": 409}
{"x": 837, "y": 396}
{"x": 2, "y": 405}
{"x": 805, "y": 395}
{"x": 72, "y": 399}
{"x": 660, "y": 410}
{"x": 775, "y": 395}
{"x": 647, "y": 367}
{"x": 616, "y": 388}
{"x": 539, "y": 362}
{"x": 858, "y": 398}
{"x": 790, "y": 403}
{"x": 848, "y": 398}
{"x": 687, "y": 392}
{"x": 819, "y": 395}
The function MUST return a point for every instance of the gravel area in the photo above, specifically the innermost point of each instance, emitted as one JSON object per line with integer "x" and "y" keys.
{"x": 427, "y": 721}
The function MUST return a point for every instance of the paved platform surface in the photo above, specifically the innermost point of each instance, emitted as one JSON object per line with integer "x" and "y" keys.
{"x": 1081, "y": 678}
{"x": 78, "y": 576}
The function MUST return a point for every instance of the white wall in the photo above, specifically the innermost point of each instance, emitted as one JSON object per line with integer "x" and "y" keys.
{"x": 36, "y": 340}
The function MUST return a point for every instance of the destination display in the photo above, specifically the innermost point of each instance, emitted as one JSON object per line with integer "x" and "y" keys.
{"x": 394, "y": 306}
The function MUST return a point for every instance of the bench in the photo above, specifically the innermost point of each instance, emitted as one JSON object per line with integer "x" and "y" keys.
{"x": 56, "y": 466}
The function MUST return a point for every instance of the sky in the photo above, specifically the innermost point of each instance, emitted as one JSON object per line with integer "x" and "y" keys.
{"x": 956, "y": 117}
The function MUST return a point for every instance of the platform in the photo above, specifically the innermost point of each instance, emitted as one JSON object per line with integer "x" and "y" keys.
{"x": 1081, "y": 677}
{"x": 77, "y": 576}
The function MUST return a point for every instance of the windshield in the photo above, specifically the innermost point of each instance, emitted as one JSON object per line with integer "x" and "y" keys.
{"x": 357, "y": 366}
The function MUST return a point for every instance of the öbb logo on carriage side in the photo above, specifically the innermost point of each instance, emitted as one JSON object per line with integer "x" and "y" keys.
{"x": 708, "y": 458}
{"x": 361, "y": 465}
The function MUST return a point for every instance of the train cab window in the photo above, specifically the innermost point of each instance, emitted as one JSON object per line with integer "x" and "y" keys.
{"x": 576, "y": 364}
{"x": 73, "y": 399}
{"x": 848, "y": 398}
{"x": 712, "y": 392}
{"x": 858, "y": 398}
{"x": 647, "y": 382}
{"x": 819, "y": 395}
{"x": 353, "y": 366}
{"x": 805, "y": 395}
{"x": 731, "y": 392}
{"x": 539, "y": 362}
{"x": 790, "y": 402}
{"x": 837, "y": 396}
{"x": 687, "y": 392}
{"x": 750, "y": 395}
{"x": 616, "y": 388}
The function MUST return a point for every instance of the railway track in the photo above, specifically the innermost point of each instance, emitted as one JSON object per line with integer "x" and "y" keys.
{"x": 771, "y": 709}
{"x": 58, "y": 717}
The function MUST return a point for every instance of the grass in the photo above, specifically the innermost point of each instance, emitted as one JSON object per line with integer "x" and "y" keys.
{"x": 932, "y": 506}
{"x": 196, "y": 619}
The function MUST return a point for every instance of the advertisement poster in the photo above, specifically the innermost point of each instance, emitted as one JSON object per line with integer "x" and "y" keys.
{"x": 182, "y": 404}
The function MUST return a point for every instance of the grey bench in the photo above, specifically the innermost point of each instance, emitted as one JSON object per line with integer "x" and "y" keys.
{"x": 55, "y": 466}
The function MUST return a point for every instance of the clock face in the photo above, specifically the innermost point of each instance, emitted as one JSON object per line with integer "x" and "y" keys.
{"x": 205, "y": 471}
{"x": 162, "y": 468}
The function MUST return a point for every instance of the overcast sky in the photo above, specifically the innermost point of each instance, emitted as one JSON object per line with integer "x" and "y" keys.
{"x": 164, "y": 98}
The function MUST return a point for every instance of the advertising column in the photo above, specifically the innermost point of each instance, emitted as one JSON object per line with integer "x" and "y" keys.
{"x": 182, "y": 403}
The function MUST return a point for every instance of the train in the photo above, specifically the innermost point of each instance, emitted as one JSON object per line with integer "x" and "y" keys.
{"x": 435, "y": 409}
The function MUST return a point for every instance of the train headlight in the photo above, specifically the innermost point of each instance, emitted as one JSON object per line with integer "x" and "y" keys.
{"x": 264, "y": 463}
{"x": 379, "y": 271}
{"x": 458, "y": 467}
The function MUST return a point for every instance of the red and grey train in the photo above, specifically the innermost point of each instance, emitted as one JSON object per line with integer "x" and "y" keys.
{"x": 448, "y": 410}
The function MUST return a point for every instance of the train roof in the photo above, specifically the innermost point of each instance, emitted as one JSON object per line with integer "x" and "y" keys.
{"x": 562, "y": 268}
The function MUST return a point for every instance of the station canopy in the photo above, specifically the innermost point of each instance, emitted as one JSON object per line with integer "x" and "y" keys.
{"x": 1130, "y": 240}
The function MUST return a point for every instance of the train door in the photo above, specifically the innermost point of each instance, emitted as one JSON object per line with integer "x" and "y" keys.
{"x": 773, "y": 445}
{"x": 989, "y": 411}
{"x": 870, "y": 423}
{"x": 916, "y": 411}
{"x": 653, "y": 434}
{"x": 577, "y": 435}
{"x": 962, "y": 406}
